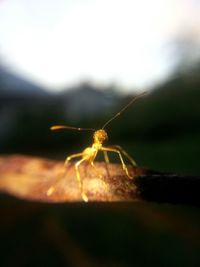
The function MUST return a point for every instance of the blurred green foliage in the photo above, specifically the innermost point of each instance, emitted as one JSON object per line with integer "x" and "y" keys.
{"x": 161, "y": 130}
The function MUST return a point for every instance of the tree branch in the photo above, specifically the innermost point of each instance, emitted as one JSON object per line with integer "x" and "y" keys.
{"x": 44, "y": 180}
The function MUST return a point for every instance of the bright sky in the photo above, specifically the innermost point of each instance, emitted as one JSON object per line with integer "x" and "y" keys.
{"x": 126, "y": 42}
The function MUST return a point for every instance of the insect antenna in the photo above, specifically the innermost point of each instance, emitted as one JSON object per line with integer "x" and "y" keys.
{"x": 124, "y": 108}
{"x": 58, "y": 127}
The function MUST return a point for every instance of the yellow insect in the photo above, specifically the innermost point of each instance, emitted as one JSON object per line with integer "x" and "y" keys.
{"x": 89, "y": 154}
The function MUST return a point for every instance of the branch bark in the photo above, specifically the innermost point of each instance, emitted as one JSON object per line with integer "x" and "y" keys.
{"x": 44, "y": 180}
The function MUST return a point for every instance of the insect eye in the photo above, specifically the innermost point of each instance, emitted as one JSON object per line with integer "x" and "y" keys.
{"x": 103, "y": 135}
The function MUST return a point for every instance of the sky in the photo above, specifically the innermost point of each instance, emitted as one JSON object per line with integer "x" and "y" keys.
{"x": 125, "y": 42}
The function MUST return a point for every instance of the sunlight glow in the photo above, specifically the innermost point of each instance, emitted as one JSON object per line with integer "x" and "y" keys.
{"x": 62, "y": 43}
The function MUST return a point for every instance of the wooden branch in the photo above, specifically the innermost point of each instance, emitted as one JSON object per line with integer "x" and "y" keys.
{"x": 44, "y": 180}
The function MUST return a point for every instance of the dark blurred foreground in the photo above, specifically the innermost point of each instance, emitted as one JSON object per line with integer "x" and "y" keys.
{"x": 35, "y": 234}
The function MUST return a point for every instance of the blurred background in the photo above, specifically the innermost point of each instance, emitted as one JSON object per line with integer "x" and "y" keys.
{"x": 78, "y": 63}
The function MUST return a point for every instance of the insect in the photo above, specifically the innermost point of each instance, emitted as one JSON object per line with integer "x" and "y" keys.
{"x": 99, "y": 137}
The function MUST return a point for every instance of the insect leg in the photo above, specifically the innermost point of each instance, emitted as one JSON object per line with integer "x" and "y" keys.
{"x": 80, "y": 182}
{"x": 72, "y": 156}
{"x": 98, "y": 173}
{"x": 132, "y": 161}
{"x": 107, "y": 161}
{"x": 100, "y": 176}
{"x": 52, "y": 188}
{"x": 106, "y": 156}
{"x": 115, "y": 150}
